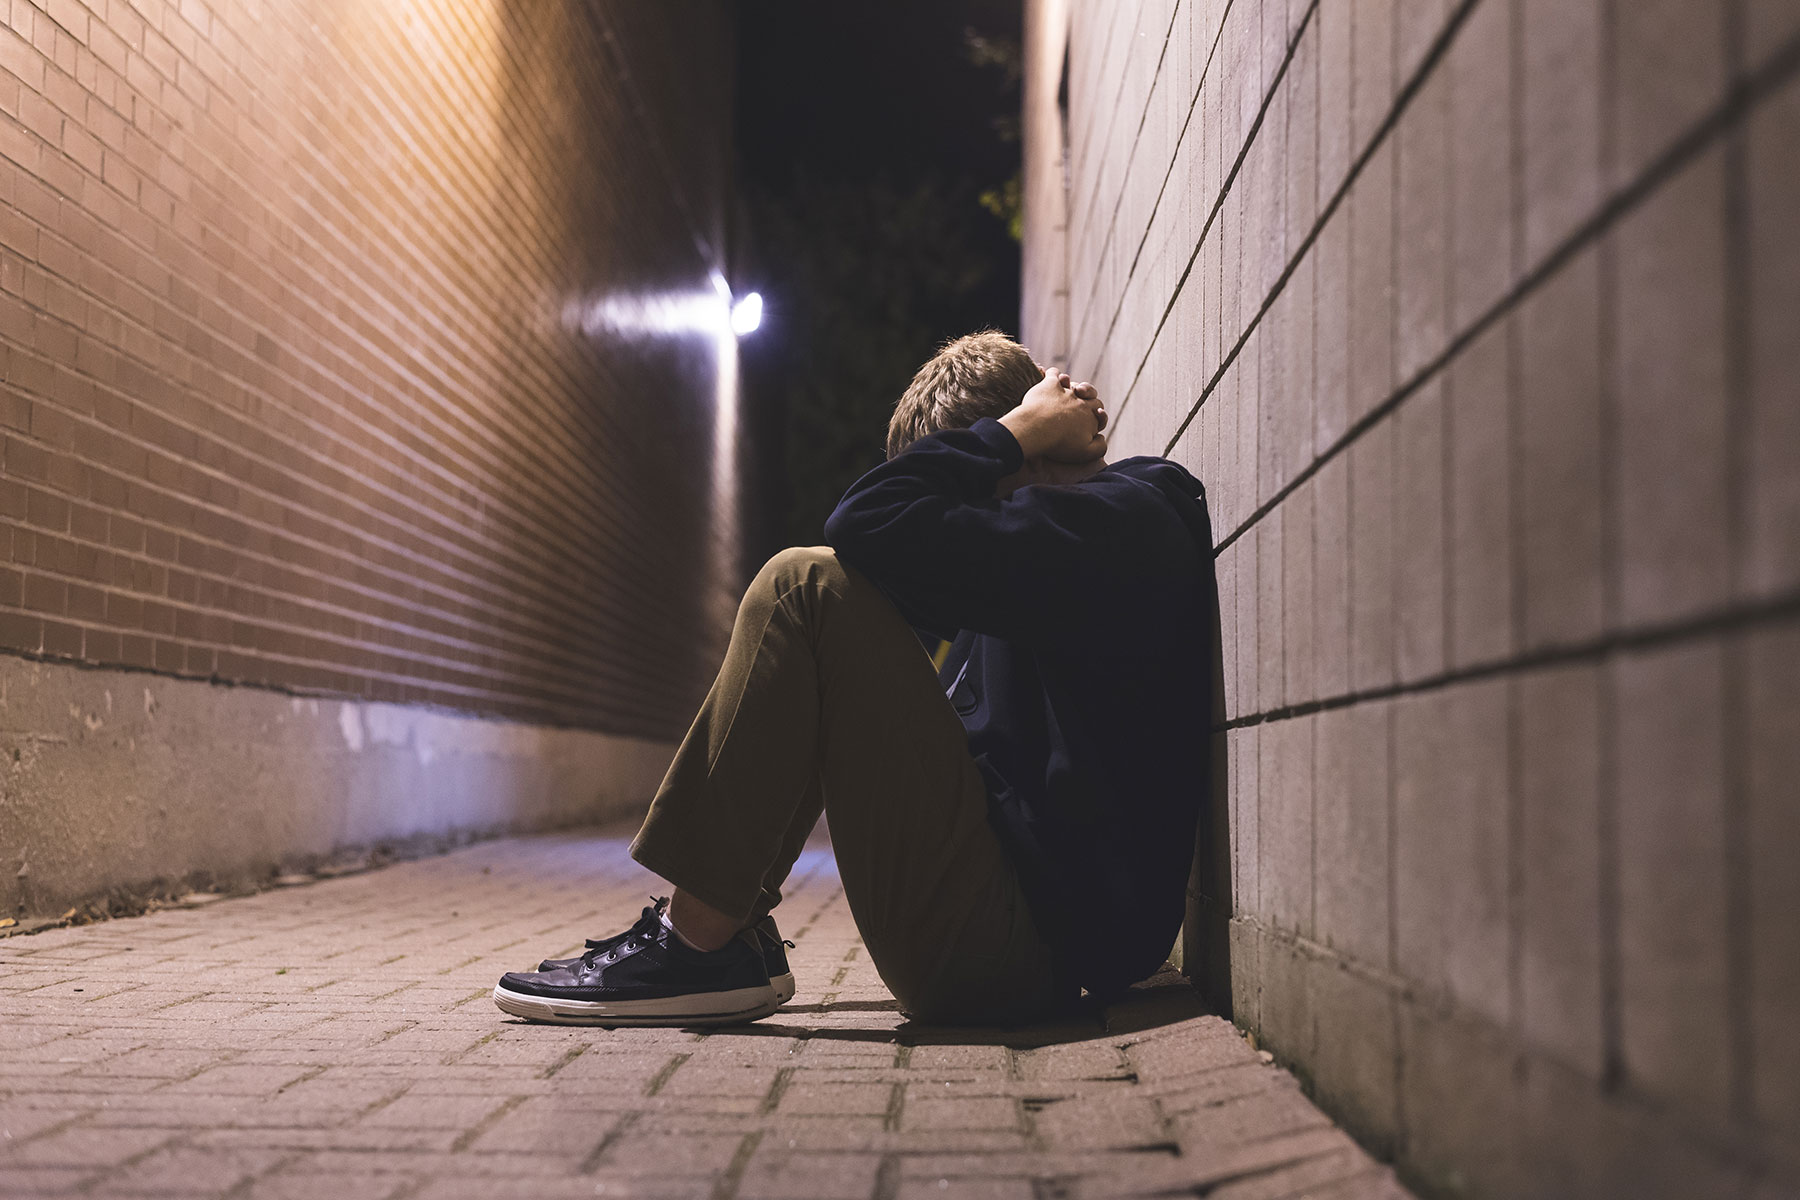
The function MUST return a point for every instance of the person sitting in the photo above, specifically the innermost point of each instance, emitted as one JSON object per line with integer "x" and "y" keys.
{"x": 1011, "y": 828}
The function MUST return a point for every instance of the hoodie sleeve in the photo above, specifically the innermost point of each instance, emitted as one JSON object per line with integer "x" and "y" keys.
{"x": 1048, "y": 560}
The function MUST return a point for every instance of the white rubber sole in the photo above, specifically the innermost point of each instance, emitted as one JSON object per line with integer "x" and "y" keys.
{"x": 708, "y": 1008}
{"x": 784, "y": 987}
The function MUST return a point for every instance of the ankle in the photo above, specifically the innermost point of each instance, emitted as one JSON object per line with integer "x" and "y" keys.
{"x": 698, "y": 924}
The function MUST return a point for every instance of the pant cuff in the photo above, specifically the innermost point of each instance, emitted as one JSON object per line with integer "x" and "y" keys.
{"x": 660, "y": 851}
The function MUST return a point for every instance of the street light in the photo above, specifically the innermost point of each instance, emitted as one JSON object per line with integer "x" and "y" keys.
{"x": 746, "y": 314}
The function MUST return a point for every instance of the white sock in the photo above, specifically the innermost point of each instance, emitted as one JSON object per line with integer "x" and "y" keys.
{"x": 670, "y": 926}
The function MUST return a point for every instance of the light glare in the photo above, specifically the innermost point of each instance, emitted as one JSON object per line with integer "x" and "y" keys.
{"x": 666, "y": 314}
{"x": 746, "y": 314}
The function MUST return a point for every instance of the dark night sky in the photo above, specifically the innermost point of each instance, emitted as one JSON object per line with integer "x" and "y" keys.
{"x": 861, "y": 90}
{"x": 858, "y": 87}
{"x": 864, "y": 135}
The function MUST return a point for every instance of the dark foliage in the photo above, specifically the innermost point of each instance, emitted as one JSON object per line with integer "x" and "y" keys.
{"x": 869, "y": 136}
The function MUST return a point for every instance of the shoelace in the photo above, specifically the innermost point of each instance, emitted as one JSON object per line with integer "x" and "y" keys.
{"x": 606, "y": 943}
{"x": 643, "y": 931}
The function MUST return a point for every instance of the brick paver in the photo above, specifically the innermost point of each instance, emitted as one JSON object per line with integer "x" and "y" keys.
{"x": 337, "y": 1040}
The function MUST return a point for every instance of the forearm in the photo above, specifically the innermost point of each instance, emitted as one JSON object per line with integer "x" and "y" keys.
{"x": 1029, "y": 431}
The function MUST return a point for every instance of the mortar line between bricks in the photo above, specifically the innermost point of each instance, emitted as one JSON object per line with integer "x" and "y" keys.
{"x": 1739, "y": 100}
{"x": 49, "y": 1130}
{"x": 1092, "y": 115}
{"x": 1733, "y": 1146}
{"x": 1084, "y": 121}
{"x": 271, "y": 656}
{"x": 243, "y": 1186}
{"x": 726, "y": 1186}
{"x": 198, "y": 538}
{"x": 1735, "y": 705}
{"x": 791, "y": 885}
{"x": 174, "y": 1140}
{"x": 1212, "y": 217}
{"x": 377, "y": 1105}
{"x": 1112, "y": 220}
{"x": 415, "y": 268}
{"x": 819, "y": 912}
{"x": 1612, "y": 520}
{"x": 405, "y": 987}
{"x": 481, "y": 1041}
{"x": 1439, "y": 46}
{"x": 1165, "y": 1121}
{"x": 1730, "y": 1145}
{"x": 1737, "y": 619}
{"x": 574, "y": 1053}
{"x": 777, "y": 1089}
{"x": 612, "y": 1137}
{"x": 1386, "y": 978}
{"x": 1515, "y": 855}
{"x": 1212, "y": 1185}
{"x": 1516, "y": 534}
{"x": 306, "y": 1076}
{"x": 896, "y": 1106}
{"x": 395, "y": 1032}
{"x": 409, "y": 1189}
{"x": 1026, "y": 1116}
{"x": 887, "y": 1177}
{"x": 662, "y": 1077}
{"x": 447, "y": 643}
{"x": 467, "y": 1137}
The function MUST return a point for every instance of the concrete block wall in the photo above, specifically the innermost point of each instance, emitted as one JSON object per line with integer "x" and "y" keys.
{"x": 367, "y": 353}
{"x": 1476, "y": 318}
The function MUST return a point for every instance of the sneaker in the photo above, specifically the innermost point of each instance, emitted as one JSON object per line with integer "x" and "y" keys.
{"x": 774, "y": 951}
{"x": 645, "y": 976}
{"x": 774, "y": 948}
{"x": 656, "y": 906}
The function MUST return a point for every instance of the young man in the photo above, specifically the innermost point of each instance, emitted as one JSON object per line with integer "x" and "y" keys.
{"x": 1010, "y": 830}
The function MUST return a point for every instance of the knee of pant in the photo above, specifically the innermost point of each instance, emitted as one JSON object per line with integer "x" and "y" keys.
{"x": 801, "y": 566}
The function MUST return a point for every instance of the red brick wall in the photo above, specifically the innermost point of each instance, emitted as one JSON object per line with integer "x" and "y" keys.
{"x": 297, "y": 391}
{"x": 1478, "y": 320}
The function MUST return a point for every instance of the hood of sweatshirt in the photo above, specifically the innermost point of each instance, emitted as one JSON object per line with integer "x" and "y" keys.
{"x": 1185, "y": 493}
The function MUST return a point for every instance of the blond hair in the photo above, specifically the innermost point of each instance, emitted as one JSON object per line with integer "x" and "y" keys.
{"x": 980, "y": 375}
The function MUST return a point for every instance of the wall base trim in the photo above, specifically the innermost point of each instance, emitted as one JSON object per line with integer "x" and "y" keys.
{"x": 117, "y": 786}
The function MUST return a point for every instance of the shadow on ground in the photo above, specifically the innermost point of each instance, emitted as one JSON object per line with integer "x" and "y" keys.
{"x": 1163, "y": 1000}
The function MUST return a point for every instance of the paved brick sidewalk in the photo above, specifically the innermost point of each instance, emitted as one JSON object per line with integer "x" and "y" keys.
{"x": 338, "y": 1041}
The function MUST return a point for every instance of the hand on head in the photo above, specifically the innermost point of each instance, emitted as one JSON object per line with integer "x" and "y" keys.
{"x": 1059, "y": 421}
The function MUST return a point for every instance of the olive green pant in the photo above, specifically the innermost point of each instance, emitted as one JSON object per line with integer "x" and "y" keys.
{"x": 827, "y": 701}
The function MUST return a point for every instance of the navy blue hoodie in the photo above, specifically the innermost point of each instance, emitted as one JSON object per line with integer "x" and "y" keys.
{"x": 1081, "y": 667}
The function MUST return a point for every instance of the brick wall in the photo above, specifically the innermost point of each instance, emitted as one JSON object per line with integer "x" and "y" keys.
{"x": 337, "y": 354}
{"x": 1478, "y": 321}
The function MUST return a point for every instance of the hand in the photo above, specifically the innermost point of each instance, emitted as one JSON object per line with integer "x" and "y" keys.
{"x": 1059, "y": 421}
